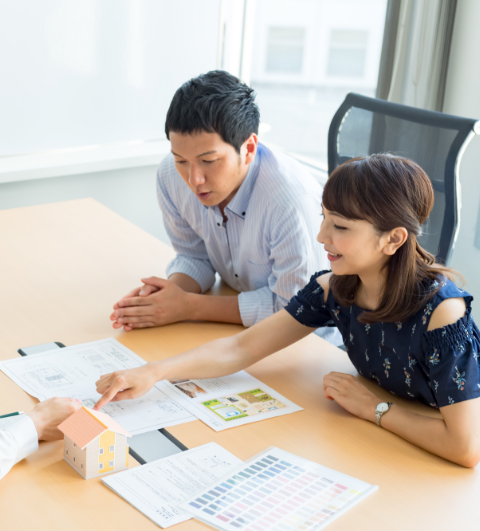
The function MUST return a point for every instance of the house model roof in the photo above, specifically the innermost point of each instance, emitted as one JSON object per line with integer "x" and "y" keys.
{"x": 86, "y": 424}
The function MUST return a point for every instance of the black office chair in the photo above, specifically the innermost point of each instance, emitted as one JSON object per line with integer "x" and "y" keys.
{"x": 436, "y": 141}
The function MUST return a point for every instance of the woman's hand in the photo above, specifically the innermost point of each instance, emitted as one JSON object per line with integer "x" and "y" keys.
{"x": 125, "y": 385}
{"x": 351, "y": 395}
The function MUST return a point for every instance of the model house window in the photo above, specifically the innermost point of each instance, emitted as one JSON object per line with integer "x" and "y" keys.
{"x": 101, "y": 451}
{"x": 110, "y": 464}
{"x": 100, "y": 466}
{"x": 74, "y": 445}
{"x": 74, "y": 459}
{"x": 81, "y": 466}
{"x": 285, "y": 50}
{"x": 66, "y": 452}
{"x": 348, "y": 52}
{"x": 112, "y": 448}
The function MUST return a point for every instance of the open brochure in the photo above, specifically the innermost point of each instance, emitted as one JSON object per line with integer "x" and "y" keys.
{"x": 229, "y": 401}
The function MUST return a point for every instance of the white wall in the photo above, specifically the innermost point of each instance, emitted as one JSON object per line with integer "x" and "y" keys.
{"x": 462, "y": 98}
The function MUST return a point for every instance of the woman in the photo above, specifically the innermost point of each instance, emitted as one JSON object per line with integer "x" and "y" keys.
{"x": 404, "y": 322}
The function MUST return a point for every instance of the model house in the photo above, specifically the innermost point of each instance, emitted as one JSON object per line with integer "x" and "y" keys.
{"x": 95, "y": 444}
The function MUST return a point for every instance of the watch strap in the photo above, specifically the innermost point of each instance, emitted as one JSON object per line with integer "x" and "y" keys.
{"x": 379, "y": 414}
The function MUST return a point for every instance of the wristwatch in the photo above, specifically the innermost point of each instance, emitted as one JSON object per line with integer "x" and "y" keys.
{"x": 381, "y": 409}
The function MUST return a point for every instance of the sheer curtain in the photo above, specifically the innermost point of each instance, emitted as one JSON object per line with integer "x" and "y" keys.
{"x": 415, "y": 53}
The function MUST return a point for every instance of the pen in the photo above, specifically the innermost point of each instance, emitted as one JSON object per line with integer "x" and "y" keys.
{"x": 11, "y": 414}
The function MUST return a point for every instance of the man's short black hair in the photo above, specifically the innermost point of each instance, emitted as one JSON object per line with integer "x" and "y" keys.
{"x": 216, "y": 102}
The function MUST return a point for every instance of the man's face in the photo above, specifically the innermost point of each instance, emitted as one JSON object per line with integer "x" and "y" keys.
{"x": 212, "y": 169}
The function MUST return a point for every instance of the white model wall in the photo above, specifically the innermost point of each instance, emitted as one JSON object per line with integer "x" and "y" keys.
{"x": 462, "y": 98}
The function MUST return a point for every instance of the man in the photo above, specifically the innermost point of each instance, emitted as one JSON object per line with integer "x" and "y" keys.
{"x": 230, "y": 206}
{"x": 20, "y": 437}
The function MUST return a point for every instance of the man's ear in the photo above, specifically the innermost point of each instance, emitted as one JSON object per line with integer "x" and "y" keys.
{"x": 395, "y": 240}
{"x": 250, "y": 146}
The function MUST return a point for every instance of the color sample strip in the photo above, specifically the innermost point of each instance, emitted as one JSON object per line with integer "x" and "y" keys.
{"x": 277, "y": 491}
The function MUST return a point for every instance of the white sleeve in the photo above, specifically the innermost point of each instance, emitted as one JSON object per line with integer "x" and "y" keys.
{"x": 17, "y": 440}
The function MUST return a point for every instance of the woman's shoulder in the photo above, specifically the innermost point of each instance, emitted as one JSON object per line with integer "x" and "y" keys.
{"x": 449, "y": 303}
{"x": 318, "y": 287}
{"x": 323, "y": 279}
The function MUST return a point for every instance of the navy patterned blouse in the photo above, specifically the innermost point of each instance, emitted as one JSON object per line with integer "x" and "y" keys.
{"x": 438, "y": 368}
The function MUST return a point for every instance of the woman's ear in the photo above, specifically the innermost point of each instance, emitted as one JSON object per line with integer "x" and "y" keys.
{"x": 395, "y": 240}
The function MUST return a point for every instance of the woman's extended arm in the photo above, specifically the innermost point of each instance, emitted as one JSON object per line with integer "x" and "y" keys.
{"x": 212, "y": 360}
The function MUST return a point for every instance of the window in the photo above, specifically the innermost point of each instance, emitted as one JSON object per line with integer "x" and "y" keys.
{"x": 347, "y": 53}
{"x": 74, "y": 445}
{"x": 74, "y": 459}
{"x": 110, "y": 464}
{"x": 66, "y": 452}
{"x": 101, "y": 451}
{"x": 285, "y": 50}
{"x": 112, "y": 448}
{"x": 81, "y": 466}
{"x": 100, "y": 466}
{"x": 307, "y": 56}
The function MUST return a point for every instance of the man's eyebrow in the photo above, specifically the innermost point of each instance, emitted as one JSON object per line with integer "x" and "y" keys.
{"x": 176, "y": 154}
{"x": 206, "y": 153}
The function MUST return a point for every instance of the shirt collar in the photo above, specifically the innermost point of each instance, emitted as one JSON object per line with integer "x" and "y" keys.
{"x": 239, "y": 204}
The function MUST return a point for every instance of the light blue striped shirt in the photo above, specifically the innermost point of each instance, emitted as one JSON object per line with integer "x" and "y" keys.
{"x": 266, "y": 249}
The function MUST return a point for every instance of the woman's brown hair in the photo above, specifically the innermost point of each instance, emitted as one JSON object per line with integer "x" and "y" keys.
{"x": 388, "y": 192}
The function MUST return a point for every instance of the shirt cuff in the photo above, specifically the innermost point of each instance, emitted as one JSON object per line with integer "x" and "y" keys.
{"x": 25, "y": 433}
{"x": 256, "y": 305}
{"x": 200, "y": 271}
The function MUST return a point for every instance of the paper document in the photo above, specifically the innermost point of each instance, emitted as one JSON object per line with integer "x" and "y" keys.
{"x": 277, "y": 490}
{"x": 73, "y": 371}
{"x": 155, "y": 489}
{"x": 229, "y": 401}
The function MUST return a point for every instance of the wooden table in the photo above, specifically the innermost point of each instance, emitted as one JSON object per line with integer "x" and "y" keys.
{"x": 62, "y": 267}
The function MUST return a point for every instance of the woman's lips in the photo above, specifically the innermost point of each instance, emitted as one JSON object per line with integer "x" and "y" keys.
{"x": 333, "y": 257}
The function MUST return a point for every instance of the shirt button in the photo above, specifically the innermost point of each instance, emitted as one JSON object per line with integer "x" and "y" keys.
{"x": 243, "y": 213}
{"x": 236, "y": 275}
{"x": 218, "y": 224}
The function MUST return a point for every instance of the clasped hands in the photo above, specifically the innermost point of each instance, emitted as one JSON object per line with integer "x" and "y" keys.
{"x": 159, "y": 302}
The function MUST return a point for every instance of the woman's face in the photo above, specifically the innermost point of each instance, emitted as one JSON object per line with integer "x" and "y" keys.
{"x": 353, "y": 246}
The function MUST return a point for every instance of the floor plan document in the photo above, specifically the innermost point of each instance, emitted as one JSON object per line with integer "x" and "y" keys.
{"x": 229, "y": 401}
{"x": 156, "y": 489}
{"x": 73, "y": 371}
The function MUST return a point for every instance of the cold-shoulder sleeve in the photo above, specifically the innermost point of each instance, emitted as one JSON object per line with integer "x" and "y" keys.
{"x": 451, "y": 356}
{"x": 307, "y": 306}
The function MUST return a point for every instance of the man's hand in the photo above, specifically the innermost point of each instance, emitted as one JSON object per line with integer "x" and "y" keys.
{"x": 125, "y": 385}
{"x": 157, "y": 303}
{"x": 49, "y": 414}
{"x": 351, "y": 395}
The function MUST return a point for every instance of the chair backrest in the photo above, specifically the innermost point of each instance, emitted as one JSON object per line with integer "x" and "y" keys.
{"x": 436, "y": 141}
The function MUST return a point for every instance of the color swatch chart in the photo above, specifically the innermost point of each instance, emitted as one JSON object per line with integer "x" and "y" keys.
{"x": 278, "y": 491}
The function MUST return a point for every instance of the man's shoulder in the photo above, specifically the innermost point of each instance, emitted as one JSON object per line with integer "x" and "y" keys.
{"x": 285, "y": 180}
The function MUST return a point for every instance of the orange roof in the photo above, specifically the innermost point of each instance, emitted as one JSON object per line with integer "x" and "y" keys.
{"x": 86, "y": 424}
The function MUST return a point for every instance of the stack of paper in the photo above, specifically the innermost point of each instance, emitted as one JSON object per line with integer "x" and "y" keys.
{"x": 274, "y": 490}
{"x": 73, "y": 371}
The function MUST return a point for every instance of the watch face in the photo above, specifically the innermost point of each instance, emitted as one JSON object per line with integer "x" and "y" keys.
{"x": 382, "y": 407}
